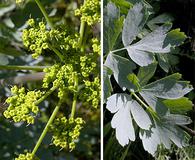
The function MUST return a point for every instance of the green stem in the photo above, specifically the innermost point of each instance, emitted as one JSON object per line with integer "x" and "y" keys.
{"x": 46, "y": 95}
{"x": 46, "y": 127}
{"x": 74, "y": 97}
{"x": 57, "y": 53}
{"x": 117, "y": 50}
{"x": 82, "y": 30}
{"x": 145, "y": 105}
{"x": 15, "y": 67}
{"x": 149, "y": 109}
{"x": 44, "y": 13}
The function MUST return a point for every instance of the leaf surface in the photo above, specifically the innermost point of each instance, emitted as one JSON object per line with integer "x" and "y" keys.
{"x": 133, "y": 23}
{"x": 140, "y": 116}
{"x": 107, "y": 87}
{"x": 121, "y": 68}
{"x": 113, "y": 24}
{"x": 169, "y": 87}
{"x": 146, "y": 73}
{"x": 122, "y": 120}
{"x": 181, "y": 105}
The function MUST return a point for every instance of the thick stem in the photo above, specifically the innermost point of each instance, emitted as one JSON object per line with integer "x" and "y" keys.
{"x": 44, "y": 13}
{"x": 82, "y": 30}
{"x": 46, "y": 128}
{"x": 74, "y": 97}
{"x": 46, "y": 95}
{"x": 15, "y": 67}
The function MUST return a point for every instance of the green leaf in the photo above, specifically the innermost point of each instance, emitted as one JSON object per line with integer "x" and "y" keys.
{"x": 146, "y": 73}
{"x": 107, "y": 88}
{"x": 112, "y": 26}
{"x": 163, "y": 62}
{"x": 123, "y": 5}
{"x": 106, "y": 129}
{"x": 181, "y": 105}
{"x": 141, "y": 52}
{"x": 177, "y": 119}
{"x": 134, "y": 80}
{"x": 160, "y": 19}
{"x": 175, "y": 38}
{"x": 162, "y": 133}
{"x": 121, "y": 68}
{"x": 169, "y": 87}
{"x": 155, "y": 103}
{"x": 133, "y": 23}
{"x": 140, "y": 116}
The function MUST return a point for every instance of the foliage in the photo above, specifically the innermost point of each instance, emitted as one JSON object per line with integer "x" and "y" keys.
{"x": 68, "y": 62}
{"x": 143, "y": 106}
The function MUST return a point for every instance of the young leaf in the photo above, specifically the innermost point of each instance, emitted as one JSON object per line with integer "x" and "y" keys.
{"x": 181, "y": 105}
{"x": 113, "y": 24}
{"x": 175, "y": 38}
{"x": 121, "y": 68}
{"x": 133, "y": 23}
{"x": 146, "y": 73}
{"x": 133, "y": 79}
{"x": 169, "y": 87}
{"x": 107, "y": 88}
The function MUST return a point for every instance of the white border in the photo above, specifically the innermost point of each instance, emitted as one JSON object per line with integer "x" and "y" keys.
{"x": 101, "y": 62}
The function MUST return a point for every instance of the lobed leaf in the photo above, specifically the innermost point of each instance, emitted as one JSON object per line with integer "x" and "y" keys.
{"x": 121, "y": 121}
{"x": 113, "y": 24}
{"x": 169, "y": 87}
{"x": 133, "y": 23}
{"x": 160, "y": 19}
{"x": 181, "y": 105}
{"x": 177, "y": 119}
{"x": 140, "y": 116}
{"x": 121, "y": 68}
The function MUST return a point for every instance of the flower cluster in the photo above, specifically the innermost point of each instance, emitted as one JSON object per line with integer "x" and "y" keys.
{"x": 66, "y": 132}
{"x": 91, "y": 93}
{"x": 61, "y": 77}
{"x": 89, "y": 12}
{"x": 87, "y": 66}
{"x": 96, "y": 46}
{"x": 38, "y": 38}
{"x": 22, "y": 106}
{"x": 27, "y": 156}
